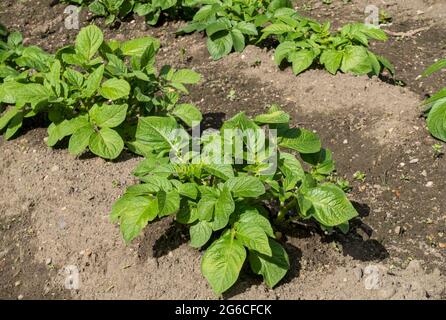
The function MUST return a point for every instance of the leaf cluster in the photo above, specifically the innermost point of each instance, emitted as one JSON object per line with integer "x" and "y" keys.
{"x": 93, "y": 91}
{"x": 231, "y": 206}
{"x": 232, "y": 24}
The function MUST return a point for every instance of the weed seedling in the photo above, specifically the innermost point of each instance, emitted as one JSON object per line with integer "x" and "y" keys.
{"x": 232, "y": 95}
{"x": 360, "y": 176}
{"x": 344, "y": 185}
{"x": 438, "y": 150}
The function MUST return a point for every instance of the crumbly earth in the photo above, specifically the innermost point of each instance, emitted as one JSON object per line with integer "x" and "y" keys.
{"x": 54, "y": 208}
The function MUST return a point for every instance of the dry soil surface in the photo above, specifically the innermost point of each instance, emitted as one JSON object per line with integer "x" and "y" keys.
{"x": 54, "y": 208}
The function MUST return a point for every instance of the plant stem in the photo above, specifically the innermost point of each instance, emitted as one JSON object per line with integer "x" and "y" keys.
{"x": 284, "y": 210}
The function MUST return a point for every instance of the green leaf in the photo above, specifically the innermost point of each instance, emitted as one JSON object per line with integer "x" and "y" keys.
{"x": 109, "y": 115}
{"x": 88, "y": 41}
{"x": 331, "y": 59}
{"x": 136, "y": 47}
{"x": 299, "y": 139}
{"x": 436, "y": 120}
{"x": 253, "y": 237}
{"x": 187, "y": 214}
{"x": 224, "y": 207}
{"x": 206, "y": 207}
{"x": 278, "y": 28}
{"x": 301, "y": 60}
{"x": 97, "y": 8}
{"x": 34, "y": 58}
{"x": 134, "y": 213}
{"x": 356, "y": 60}
{"x": 222, "y": 262}
{"x": 91, "y": 85}
{"x": 222, "y": 171}
{"x": 331, "y": 206}
{"x": 116, "y": 66}
{"x": 292, "y": 170}
{"x": 114, "y": 89}
{"x": 252, "y": 216}
{"x": 273, "y": 268}
{"x": 80, "y": 139}
{"x": 188, "y": 113}
{"x": 57, "y": 132}
{"x": 106, "y": 143}
{"x": 157, "y": 182}
{"x": 275, "y": 117}
{"x": 245, "y": 187}
{"x": 283, "y": 50}
{"x": 247, "y": 28}
{"x": 154, "y": 165}
{"x": 206, "y": 12}
{"x": 239, "y": 121}
{"x": 437, "y": 96}
{"x": 161, "y": 133}
{"x": 188, "y": 190}
{"x": 74, "y": 77}
{"x": 186, "y": 76}
{"x": 238, "y": 40}
{"x": 219, "y": 45}
{"x": 32, "y": 93}
{"x": 8, "y": 91}
{"x": 437, "y": 66}
{"x": 222, "y": 24}
{"x": 374, "y": 32}
{"x": 200, "y": 233}
{"x": 386, "y": 64}
{"x": 168, "y": 202}
{"x": 14, "y": 125}
{"x": 7, "y": 116}
{"x": 142, "y": 189}
{"x": 14, "y": 39}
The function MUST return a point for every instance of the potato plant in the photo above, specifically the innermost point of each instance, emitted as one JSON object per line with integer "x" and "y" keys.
{"x": 16, "y": 58}
{"x": 302, "y": 42}
{"x": 436, "y": 106}
{"x": 232, "y": 24}
{"x": 112, "y": 10}
{"x": 93, "y": 91}
{"x": 232, "y": 201}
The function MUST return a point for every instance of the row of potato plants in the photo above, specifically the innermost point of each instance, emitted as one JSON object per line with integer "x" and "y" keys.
{"x": 232, "y": 24}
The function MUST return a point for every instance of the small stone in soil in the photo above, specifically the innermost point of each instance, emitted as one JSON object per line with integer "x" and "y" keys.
{"x": 48, "y": 261}
{"x": 429, "y": 184}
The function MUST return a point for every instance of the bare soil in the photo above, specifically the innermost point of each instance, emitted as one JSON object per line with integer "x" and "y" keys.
{"x": 54, "y": 208}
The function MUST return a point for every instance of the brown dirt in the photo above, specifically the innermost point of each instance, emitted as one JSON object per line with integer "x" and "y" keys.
{"x": 54, "y": 208}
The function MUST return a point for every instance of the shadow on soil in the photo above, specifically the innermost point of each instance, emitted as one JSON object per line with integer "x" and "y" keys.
{"x": 166, "y": 235}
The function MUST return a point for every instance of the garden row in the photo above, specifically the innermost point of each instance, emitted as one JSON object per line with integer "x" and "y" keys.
{"x": 107, "y": 95}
